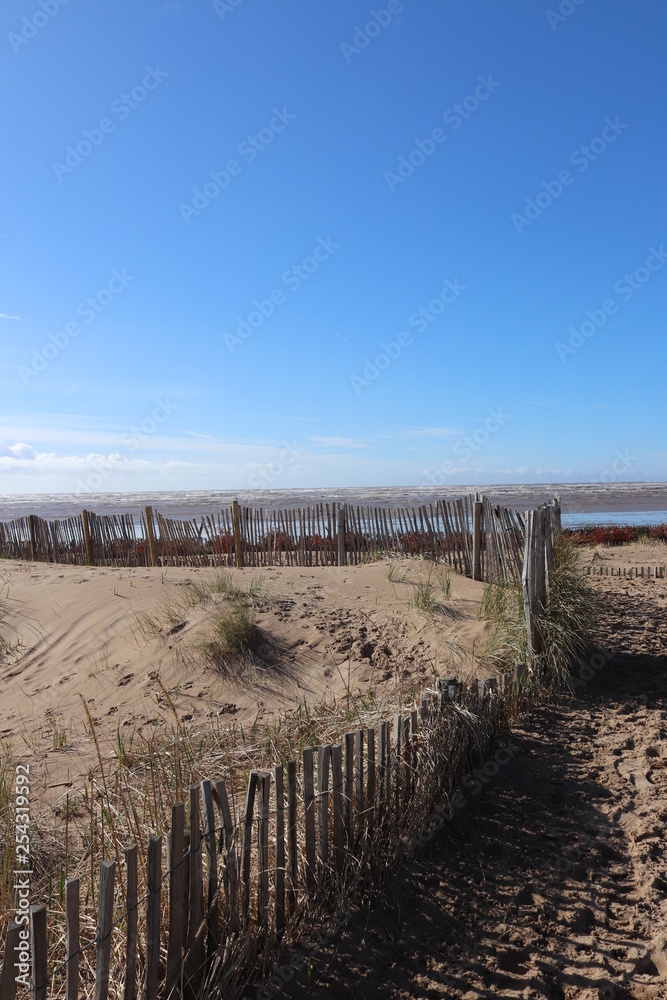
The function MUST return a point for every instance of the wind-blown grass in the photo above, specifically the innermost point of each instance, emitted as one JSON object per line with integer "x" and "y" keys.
{"x": 566, "y": 626}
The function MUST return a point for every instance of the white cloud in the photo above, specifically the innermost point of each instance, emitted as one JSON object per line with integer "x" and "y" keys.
{"x": 5, "y": 316}
{"x": 432, "y": 432}
{"x": 17, "y": 451}
{"x": 338, "y": 442}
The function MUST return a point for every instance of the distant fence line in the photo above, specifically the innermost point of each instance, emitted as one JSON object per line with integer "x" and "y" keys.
{"x": 477, "y": 538}
{"x": 629, "y": 572}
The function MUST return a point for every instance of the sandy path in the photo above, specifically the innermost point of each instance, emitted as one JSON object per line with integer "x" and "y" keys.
{"x": 552, "y": 881}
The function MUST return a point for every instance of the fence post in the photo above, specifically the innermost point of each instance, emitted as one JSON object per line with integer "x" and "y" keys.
{"x": 151, "y": 536}
{"x": 341, "y": 536}
{"x": 291, "y": 836}
{"x": 194, "y": 966}
{"x": 153, "y": 916}
{"x": 381, "y": 770}
{"x": 212, "y": 899}
{"x": 87, "y": 538}
{"x": 245, "y": 847}
{"x": 396, "y": 752}
{"x": 72, "y": 936}
{"x": 263, "y": 851}
{"x": 39, "y": 952}
{"x": 338, "y": 818}
{"x": 177, "y": 919}
{"x": 309, "y": 811}
{"x": 131, "y": 905}
{"x": 359, "y": 779}
{"x": 477, "y": 540}
{"x": 236, "y": 521}
{"x": 323, "y": 758}
{"x": 10, "y": 963}
{"x": 219, "y": 791}
{"x": 533, "y": 572}
{"x": 33, "y": 541}
{"x": 370, "y": 780}
{"x": 280, "y": 850}
{"x": 104, "y": 928}
{"x": 349, "y": 789}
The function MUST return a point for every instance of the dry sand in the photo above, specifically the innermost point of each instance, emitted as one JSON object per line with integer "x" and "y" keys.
{"x": 551, "y": 882}
{"x": 74, "y": 631}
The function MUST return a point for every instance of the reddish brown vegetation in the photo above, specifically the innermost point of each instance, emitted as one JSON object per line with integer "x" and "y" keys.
{"x": 614, "y": 534}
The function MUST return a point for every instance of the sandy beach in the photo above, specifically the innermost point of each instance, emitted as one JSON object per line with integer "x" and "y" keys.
{"x": 550, "y": 882}
{"x": 325, "y": 633}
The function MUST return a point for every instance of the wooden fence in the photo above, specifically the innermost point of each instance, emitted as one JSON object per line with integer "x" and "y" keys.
{"x": 303, "y": 829}
{"x": 477, "y": 538}
{"x": 300, "y": 832}
{"x": 629, "y": 572}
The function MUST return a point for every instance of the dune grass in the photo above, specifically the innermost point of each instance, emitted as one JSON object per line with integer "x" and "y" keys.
{"x": 173, "y": 611}
{"x": 432, "y": 597}
{"x": 566, "y": 627}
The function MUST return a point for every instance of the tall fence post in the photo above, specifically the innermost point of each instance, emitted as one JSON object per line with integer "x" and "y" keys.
{"x": 533, "y": 577}
{"x": 341, "y": 536}
{"x": 477, "y": 539}
{"x": 236, "y": 521}
{"x": 87, "y": 538}
{"x": 151, "y": 536}
{"x": 33, "y": 540}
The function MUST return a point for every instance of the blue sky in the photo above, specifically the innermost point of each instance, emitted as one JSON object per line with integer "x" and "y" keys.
{"x": 302, "y": 244}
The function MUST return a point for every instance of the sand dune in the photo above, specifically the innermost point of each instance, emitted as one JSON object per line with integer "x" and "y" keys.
{"x": 72, "y": 631}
